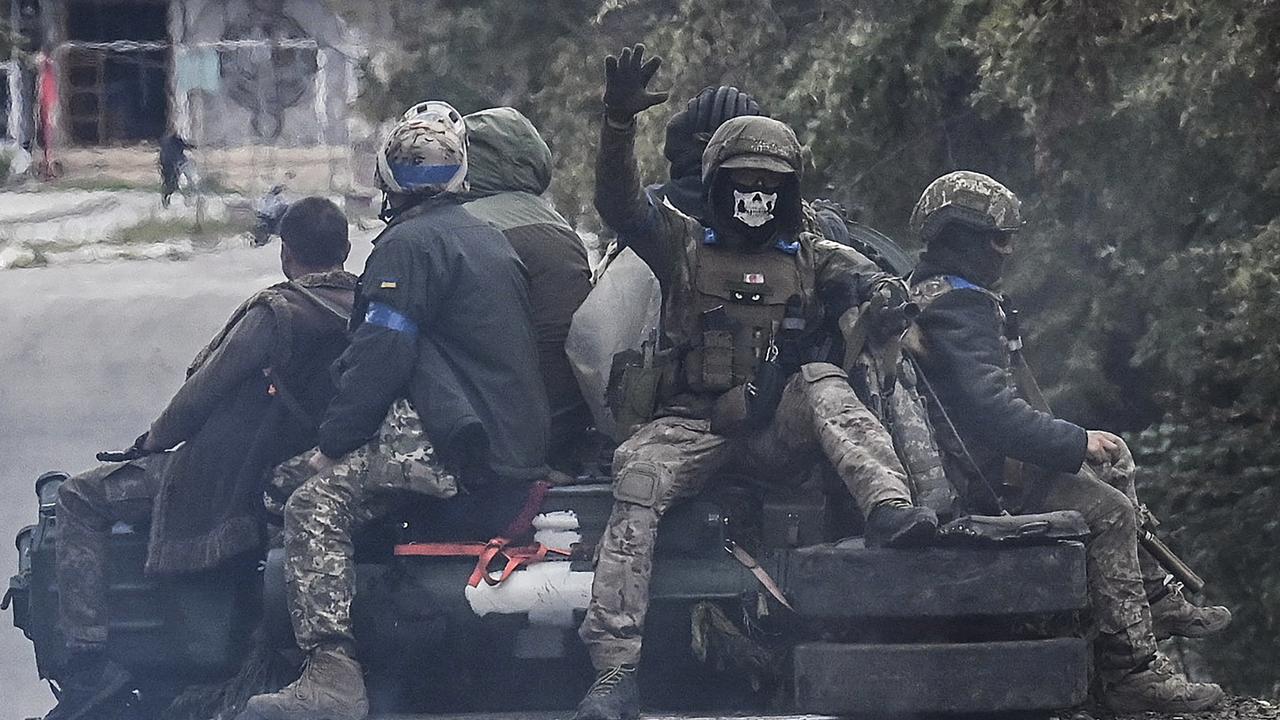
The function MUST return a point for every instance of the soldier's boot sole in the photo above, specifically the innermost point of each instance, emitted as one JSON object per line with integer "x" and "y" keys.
{"x": 111, "y": 690}
{"x": 1125, "y": 704}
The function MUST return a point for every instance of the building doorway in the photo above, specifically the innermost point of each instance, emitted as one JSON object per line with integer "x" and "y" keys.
{"x": 116, "y": 95}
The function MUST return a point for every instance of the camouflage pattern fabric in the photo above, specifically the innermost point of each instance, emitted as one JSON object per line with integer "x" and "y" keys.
{"x": 967, "y": 197}
{"x": 323, "y": 513}
{"x": 88, "y": 505}
{"x": 1119, "y": 573}
{"x": 673, "y": 458}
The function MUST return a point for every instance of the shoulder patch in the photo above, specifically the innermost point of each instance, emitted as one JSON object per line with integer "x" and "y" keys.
{"x": 387, "y": 285}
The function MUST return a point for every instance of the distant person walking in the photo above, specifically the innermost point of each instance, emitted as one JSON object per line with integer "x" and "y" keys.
{"x": 174, "y": 164}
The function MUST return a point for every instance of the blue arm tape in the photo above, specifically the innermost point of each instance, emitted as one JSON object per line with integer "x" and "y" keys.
{"x": 383, "y": 315}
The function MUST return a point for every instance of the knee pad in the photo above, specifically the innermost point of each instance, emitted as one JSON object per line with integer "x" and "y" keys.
{"x": 816, "y": 372}
{"x": 639, "y": 483}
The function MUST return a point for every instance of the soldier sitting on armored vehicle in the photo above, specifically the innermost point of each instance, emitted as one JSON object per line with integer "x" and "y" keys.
{"x": 738, "y": 293}
{"x": 508, "y": 169}
{"x": 248, "y": 403}
{"x": 988, "y": 412}
{"x": 440, "y": 397}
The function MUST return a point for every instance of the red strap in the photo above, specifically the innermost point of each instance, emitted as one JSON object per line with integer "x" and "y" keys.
{"x": 485, "y": 554}
{"x": 523, "y": 520}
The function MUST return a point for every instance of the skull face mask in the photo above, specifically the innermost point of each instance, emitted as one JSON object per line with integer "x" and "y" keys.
{"x": 753, "y": 208}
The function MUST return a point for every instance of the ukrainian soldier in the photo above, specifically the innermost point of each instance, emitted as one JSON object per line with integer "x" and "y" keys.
{"x": 440, "y": 396}
{"x": 251, "y": 399}
{"x": 739, "y": 288}
{"x": 509, "y": 169}
{"x": 970, "y": 358}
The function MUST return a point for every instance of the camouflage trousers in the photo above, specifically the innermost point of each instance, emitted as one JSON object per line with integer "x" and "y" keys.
{"x": 673, "y": 458}
{"x": 89, "y": 504}
{"x": 324, "y": 511}
{"x": 1121, "y": 575}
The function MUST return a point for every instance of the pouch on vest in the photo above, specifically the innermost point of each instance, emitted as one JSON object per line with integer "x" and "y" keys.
{"x": 634, "y": 381}
{"x": 738, "y": 299}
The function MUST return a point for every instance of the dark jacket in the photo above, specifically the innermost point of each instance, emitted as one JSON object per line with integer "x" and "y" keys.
{"x": 252, "y": 399}
{"x": 960, "y": 347}
{"x": 442, "y": 317}
{"x": 509, "y": 168}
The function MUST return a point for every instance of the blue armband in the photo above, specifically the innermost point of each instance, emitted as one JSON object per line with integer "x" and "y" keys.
{"x": 383, "y": 315}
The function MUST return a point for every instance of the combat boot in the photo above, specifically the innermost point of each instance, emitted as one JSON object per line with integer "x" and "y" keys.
{"x": 1173, "y": 615}
{"x": 93, "y": 689}
{"x": 331, "y": 687}
{"x": 613, "y": 696}
{"x": 898, "y": 524}
{"x": 1160, "y": 688}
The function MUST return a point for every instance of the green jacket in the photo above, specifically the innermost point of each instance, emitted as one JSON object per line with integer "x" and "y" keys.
{"x": 509, "y": 169}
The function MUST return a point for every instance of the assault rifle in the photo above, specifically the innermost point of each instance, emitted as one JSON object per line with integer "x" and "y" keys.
{"x": 1147, "y": 523}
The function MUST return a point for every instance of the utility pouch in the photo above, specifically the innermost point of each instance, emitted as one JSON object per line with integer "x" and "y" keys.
{"x": 634, "y": 379}
{"x": 717, "y": 350}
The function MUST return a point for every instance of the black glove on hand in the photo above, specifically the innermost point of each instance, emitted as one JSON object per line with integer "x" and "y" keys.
{"x": 626, "y": 78}
{"x": 764, "y": 393}
{"x": 133, "y": 452}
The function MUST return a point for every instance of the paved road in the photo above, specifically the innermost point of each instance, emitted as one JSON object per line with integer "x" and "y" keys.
{"x": 88, "y": 355}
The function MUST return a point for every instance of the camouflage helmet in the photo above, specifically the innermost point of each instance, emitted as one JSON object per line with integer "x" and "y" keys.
{"x": 968, "y": 198}
{"x": 425, "y": 152}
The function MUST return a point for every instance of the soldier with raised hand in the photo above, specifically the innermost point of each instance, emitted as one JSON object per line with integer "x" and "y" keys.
{"x": 969, "y": 354}
{"x": 741, "y": 294}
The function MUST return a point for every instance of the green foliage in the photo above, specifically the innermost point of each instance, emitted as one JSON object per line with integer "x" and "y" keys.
{"x": 1141, "y": 135}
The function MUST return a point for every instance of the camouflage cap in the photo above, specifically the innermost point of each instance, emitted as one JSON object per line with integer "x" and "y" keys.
{"x": 752, "y": 141}
{"x": 968, "y": 198}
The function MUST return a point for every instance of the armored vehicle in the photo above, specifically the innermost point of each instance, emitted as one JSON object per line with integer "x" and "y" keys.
{"x": 764, "y": 601}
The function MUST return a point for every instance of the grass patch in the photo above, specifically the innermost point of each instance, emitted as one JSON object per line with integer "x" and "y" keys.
{"x": 155, "y": 229}
{"x": 99, "y": 183}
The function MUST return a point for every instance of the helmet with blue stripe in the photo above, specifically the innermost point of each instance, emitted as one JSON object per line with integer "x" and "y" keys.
{"x": 425, "y": 152}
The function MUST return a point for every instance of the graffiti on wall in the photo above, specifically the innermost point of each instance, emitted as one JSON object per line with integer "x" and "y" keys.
{"x": 267, "y": 79}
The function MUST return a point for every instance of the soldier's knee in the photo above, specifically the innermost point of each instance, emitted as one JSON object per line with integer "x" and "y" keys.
{"x": 1115, "y": 508}
{"x": 79, "y": 495}
{"x": 300, "y": 507}
{"x": 823, "y": 375}
{"x": 639, "y": 483}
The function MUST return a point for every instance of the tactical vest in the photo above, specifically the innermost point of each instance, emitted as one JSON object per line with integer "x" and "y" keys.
{"x": 925, "y": 292}
{"x": 735, "y": 304}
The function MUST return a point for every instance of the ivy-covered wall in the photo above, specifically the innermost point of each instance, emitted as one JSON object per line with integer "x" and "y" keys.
{"x": 1142, "y": 136}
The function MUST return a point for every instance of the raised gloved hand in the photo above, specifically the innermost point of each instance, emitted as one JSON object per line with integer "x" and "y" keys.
{"x": 627, "y": 78}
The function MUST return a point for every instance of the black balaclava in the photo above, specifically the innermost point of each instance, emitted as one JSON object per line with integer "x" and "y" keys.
{"x": 965, "y": 251}
{"x": 749, "y": 218}
{"x": 687, "y": 134}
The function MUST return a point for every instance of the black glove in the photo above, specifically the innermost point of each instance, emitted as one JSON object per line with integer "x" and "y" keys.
{"x": 133, "y": 452}
{"x": 764, "y": 392}
{"x": 891, "y": 307}
{"x": 626, "y": 79}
